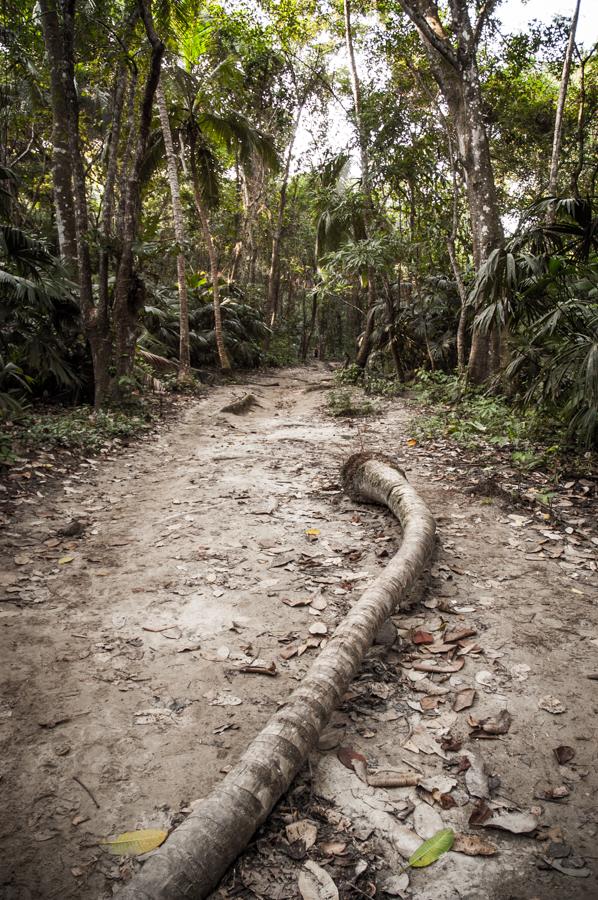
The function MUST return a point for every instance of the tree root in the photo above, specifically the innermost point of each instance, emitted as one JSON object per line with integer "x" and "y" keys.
{"x": 197, "y": 854}
{"x": 242, "y": 405}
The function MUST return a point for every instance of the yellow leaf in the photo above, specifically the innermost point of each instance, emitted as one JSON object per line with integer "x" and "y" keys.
{"x": 134, "y": 843}
{"x": 65, "y": 559}
{"x": 313, "y": 532}
{"x": 412, "y": 442}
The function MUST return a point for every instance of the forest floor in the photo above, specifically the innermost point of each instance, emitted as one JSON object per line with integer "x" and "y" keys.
{"x": 136, "y": 590}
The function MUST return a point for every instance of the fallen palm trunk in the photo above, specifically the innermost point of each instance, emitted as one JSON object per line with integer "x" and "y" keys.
{"x": 198, "y": 852}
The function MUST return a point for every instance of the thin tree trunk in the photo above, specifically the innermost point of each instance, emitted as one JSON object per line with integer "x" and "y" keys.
{"x": 197, "y": 853}
{"x": 204, "y": 220}
{"x": 61, "y": 158}
{"x": 581, "y": 122}
{"x": 368, "y": 212}
{"x": 179, "y": 233}
{"x": 560, "y": 113}
{"x": 271, "y": 310}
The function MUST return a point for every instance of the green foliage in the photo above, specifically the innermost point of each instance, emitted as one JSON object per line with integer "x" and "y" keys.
{"x": 474, "y": 418}
{"x": 544, "y": 282}
{"x": 80, "y": 428}
{"x": 344, "y": 404}
{"x": 243, "y": 327}
{"x": 373, "y": 384}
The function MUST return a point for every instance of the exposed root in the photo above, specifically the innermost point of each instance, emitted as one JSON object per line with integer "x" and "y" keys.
{"x": 242, "y": 405}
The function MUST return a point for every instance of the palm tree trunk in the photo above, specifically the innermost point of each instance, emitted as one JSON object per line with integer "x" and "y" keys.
{"x": 179, "y": 234}
{"x": 199, "y": 851}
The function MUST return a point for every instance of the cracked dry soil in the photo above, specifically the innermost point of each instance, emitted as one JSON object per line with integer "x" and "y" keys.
{"x": 123, "y": 691}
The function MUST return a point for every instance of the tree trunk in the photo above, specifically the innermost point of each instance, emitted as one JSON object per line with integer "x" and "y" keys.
{"x": 455, "y": 68}
{"x": 61, "y": 159}
{"x": 179, "y": 233}
{"x": 59, "y": 34}
{"x": 560, "y": 113}
{"x": 368, "y": 210}
{"x": 272, "y": 301}
{"x": 197, "y": 853}
{"x": 128, "y": 291}
{"x": 204, "y": 220}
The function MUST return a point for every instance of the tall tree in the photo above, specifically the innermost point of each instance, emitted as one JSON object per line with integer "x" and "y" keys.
{"x": 366, "y": 185}
{"x": 451, "y": 40}
{"x": 179, "y": 234}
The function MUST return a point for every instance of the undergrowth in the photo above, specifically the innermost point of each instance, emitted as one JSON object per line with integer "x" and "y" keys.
{"x": 344, "y": 403}
{"x": 473, "y": 416}
{"x": 81, "y": 429}
{"x": 374, "y": 384}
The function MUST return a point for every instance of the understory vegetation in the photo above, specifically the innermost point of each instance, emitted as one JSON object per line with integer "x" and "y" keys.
{"x": 193, "y": 188}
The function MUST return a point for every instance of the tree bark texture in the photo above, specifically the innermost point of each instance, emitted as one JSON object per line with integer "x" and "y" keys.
{"x": 455, "y": 69}
{"x": 61, "y": 161}
{"x": 128, "y": 289}
{"x": 198, "y": 852}
{"x": 179, "y": 234}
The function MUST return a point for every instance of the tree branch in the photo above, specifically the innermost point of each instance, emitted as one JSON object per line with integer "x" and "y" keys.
{"x": 424, "y": 16}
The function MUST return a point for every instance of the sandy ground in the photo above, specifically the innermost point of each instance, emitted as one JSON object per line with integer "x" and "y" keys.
{"x": 123, "y": 698}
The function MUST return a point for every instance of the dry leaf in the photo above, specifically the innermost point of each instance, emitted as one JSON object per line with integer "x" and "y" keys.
{"x": 491, "y": 726}
{"x": 315, "y": 883}
{"x": 472, "y": 845}
{"x": 333, "y": 848}
{"x": 135, "y": 843}
{"x": 515, "y": 822}
{"x": 464, "y": 699}
{"x": 552, "y": 705}
{"x": 563, "y": 754}
{"x": 318, "y": 628}
{"x": 304, "y": 831}
{"x": 422, "y": 637}
{"x": 65, "y": 559}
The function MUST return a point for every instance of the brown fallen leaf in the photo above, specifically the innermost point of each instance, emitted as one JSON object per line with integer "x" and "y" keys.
{"x": 270, "y": 669}
{"x": 464, "y": 699}
{"x": 296, "y": 601}
{"x": 563, "y": 754}
{"x": 422, "y": 637}
{"x": 481, "y": 813}
{"x": 459, "y": 633}
{"x": 492, "y": 726}
{"x": 472, "y": 845}
{"x": 289, "y": 651}
{"x": 354, "y": 761}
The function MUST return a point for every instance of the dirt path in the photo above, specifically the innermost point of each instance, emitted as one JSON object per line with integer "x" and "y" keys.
{"x": 122, "y": 695}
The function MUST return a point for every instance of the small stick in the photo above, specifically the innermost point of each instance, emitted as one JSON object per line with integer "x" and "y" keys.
{"x": 86, "y": 789}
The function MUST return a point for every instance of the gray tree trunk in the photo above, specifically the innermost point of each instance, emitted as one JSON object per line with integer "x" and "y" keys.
{"x": 179, "y": 233}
